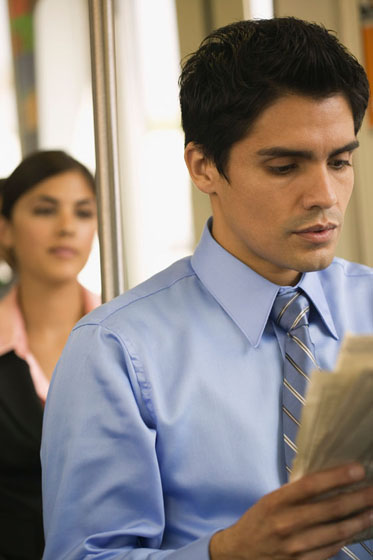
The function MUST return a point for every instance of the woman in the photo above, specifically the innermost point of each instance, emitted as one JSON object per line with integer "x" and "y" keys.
{"x": 47, "y": 226}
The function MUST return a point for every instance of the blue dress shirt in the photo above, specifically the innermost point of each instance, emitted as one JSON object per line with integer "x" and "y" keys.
{"x": 163, "y": 420}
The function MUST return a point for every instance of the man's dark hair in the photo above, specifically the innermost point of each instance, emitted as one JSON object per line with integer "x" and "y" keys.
{"x": 37, "y": 167}
{"x": 241, "y": 69}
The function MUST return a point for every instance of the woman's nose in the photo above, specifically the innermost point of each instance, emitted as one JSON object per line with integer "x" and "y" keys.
{"x": 66, "y": 224}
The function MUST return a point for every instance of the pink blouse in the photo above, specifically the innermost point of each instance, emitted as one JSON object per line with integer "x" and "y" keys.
{"x": 13, "y": 335}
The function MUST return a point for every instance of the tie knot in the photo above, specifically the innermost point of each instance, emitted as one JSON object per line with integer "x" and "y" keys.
{"x": 290, "y": 310}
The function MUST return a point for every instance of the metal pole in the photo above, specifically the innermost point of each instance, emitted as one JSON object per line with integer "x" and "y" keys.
{"x": 102, "y": 38}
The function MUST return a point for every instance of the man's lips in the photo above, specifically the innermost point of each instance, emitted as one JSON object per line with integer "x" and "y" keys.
{"x": 317, "y": 233}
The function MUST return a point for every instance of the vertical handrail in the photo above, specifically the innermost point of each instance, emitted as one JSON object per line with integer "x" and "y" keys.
{"x": 102, "y": 40}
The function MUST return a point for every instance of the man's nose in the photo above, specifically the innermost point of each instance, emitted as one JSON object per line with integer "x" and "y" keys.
{"x": 320, "y": 189}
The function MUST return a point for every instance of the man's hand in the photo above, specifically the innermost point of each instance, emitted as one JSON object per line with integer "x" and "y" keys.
{"x": 288, "y": 523}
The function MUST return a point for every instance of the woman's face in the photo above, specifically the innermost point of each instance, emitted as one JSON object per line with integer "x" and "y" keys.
{"x": 51, "y": 228}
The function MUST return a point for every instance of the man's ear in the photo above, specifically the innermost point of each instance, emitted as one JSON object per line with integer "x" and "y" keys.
{"x": 202, "y": 170}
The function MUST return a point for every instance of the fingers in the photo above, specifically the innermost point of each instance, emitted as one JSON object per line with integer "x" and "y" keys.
{"x": 322, "y": 553}
{"x": 293, "y": 522}
{"x": 328, "y": 535}
{"x": 313, "y": 485}
{"x": 329, "y": 509}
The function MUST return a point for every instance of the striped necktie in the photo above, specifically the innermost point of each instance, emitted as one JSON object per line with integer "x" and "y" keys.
{"x": 290, "y": 311}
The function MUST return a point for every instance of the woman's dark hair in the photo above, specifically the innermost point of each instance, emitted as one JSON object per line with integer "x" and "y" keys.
{"x": 241, "y": 69}
{"x": 35, "y": 168}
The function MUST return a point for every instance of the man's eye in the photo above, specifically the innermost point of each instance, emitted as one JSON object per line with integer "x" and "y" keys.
{"x": 340, "y": 163}
{"x": 282, "y": 169}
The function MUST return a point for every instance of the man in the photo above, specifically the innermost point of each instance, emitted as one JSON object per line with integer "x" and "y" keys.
{"x": 165, "y": 435}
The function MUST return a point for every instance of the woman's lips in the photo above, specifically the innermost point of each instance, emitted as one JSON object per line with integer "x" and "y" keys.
{"x": 63, "y": 252}
{"x": 318, "y": 233}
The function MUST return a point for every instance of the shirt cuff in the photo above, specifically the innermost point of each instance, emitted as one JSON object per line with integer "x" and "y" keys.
{"x": 198, "y": 550}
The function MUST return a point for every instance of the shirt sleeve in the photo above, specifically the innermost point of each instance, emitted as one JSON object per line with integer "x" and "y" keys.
{"x": 102, "y": 487}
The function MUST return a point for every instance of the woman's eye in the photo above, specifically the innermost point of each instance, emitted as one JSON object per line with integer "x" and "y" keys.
{"x": 43, "y": 210}
{"x": 85, "y": 214}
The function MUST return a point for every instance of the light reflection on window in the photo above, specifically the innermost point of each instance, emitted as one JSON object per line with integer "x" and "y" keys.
{"x": 9, "y": 140}
{"x": 156, "y": 187}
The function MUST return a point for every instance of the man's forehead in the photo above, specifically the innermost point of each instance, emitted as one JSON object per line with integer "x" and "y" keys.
{"x": 296, "y": 122}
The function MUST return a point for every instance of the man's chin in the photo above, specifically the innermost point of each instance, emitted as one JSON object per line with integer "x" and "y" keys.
{"x": 316, "y": 263}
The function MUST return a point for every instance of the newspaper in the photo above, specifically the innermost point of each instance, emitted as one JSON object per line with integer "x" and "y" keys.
{"x": 337, "y": 419}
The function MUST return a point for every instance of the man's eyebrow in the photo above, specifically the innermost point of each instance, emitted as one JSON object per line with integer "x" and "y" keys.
{"x": 280, "y": 151}
{"x": 350, "y": 147}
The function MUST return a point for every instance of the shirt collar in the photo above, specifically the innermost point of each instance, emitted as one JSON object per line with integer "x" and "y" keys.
{"x": 312, "y": 286}
{"x": 13, "y": 335}
{"x": 246, "y": 296}
{"x": 12, "y": 328}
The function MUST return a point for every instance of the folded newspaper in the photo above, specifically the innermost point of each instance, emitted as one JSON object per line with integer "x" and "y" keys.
{"x": 337, "y": 419}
